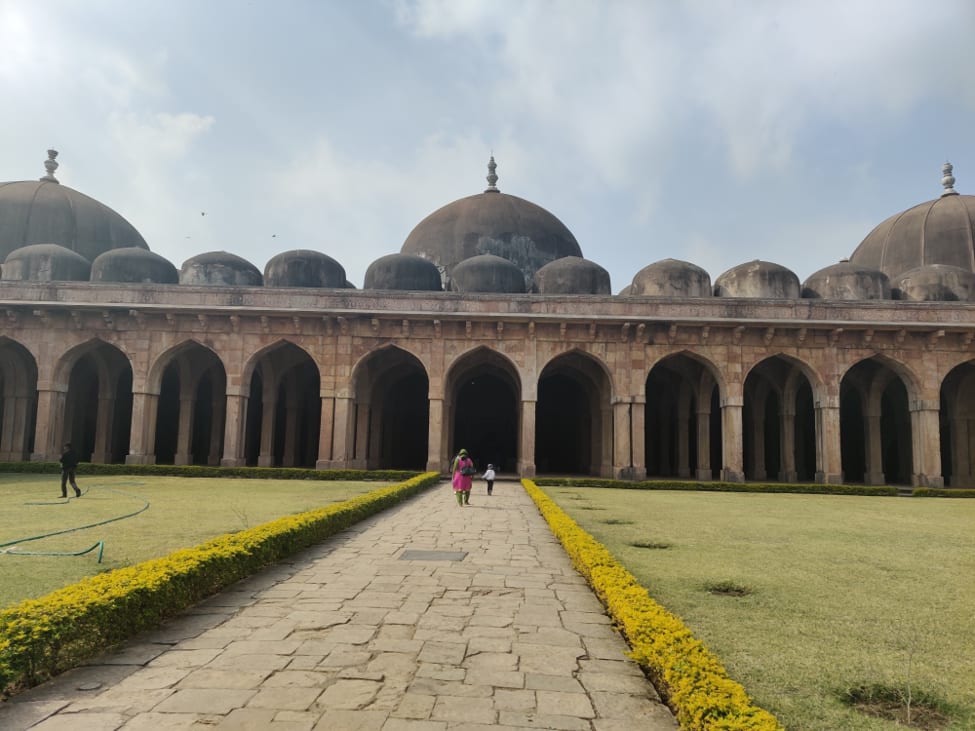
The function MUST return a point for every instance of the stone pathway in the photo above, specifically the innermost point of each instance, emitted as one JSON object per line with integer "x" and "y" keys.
{"x": 348, "y": 636}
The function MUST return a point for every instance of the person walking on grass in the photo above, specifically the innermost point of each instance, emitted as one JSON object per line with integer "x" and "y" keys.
{"x": 489, "y": 478}
{"x": 69, "y": 463}
{"x": 463, "y": 471}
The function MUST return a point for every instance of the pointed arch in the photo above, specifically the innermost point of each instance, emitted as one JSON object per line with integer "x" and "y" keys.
{"x": 875, "y": 421}
{"x": 482, "y": 401}
{"x": 682, "y": 433}
{"x": 574, "y": 424}
{"x": 957, "y": 425}
{"x": 18, "y": 401}
{"x": 390, "y": 413}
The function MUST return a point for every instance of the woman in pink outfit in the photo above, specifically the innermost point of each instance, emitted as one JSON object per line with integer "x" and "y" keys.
{"x": 463, "y": 474}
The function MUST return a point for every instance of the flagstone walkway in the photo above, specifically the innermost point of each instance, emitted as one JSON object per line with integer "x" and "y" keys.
{"x": 378, "y": 629}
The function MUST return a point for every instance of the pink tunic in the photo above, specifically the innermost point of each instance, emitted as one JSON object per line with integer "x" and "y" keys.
{"x": 462, "y": 482}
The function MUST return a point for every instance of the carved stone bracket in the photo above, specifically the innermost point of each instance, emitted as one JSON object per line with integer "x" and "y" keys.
{"x": 265, "y": 324}
{"x": 625, "y": 332}
{"x": 737, "y": 334}
{"x": 834, "y": 335}
{"x": 801, "y": 335}
{"x": 705, "y": 333}
{"x": 374, "y": 324}
{"x": 500, "y": 329}
{"x": 405, "y": 329}
{"x": 203, "y": 320}
{"x": 235, "y": 323}
{"x": 343, "y": 325}
{"x": 867, "y": 337}
{"x": 672, "y": 333}
{"x": 769, "y": 334}
{"x": 438, "y": 328}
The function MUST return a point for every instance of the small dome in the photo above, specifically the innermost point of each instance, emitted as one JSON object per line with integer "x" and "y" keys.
{"x": 220, "y": 269}
{"x": 133, "y": 266}
{"x": 936, "y": 283}
{"x": 941, "y": 231}
{"x": 758, "y": 279}
{"x": 672, "y": 278}
{"x": 487, "y": 273}
{"x": 46, "y": 263}
{"x": 847, "y": 281}
{"x": 403, "y": 272}
{"x": 627, "y": 291}
{"x": 491, "y": 223}
{"x": 44, "y": 211}
{"x": 572, "y": 275}
{"x": 304, "y": 268}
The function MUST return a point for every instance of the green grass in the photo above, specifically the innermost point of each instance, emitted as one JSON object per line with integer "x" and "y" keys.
{"x": 838, "y": 592}
{"x": 183, "y": 512}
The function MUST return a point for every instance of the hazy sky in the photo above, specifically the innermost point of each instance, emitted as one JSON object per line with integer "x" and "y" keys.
{"x": 714, "y": 132}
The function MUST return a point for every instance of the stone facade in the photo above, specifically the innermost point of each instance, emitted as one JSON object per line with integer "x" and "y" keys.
{"x": 876, "y": 391}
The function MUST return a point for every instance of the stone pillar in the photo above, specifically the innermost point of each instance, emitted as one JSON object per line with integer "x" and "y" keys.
{"x": 235, "y": 425}
{"x": 926, "y": 443}
{"x": 325, "y": 432}
{"x": 731, "y": 442}
{"x": 758, "y": 441}
{"x": 829, "y": 455}
{"x": 184, "y": 434}
{"x": 962, "y": 446}
{"x": 292, "y": 417}
{"x": 103, "y": 429}
{"x": 340, "y": 441}
{"x": 787, "y": 444}
{"x": 683, "y": 444}
{"x": 362, "y": 413}
{"x": 435, "y": 462}
{"x": 49, "y": 428}
{"x": 218, "y": 415}
{"x": 638, "y": 439}
{"x": 703, "y": 471}
{"x": 269, "y": 402}
{"x": 142, "y": 436}
{"x": 874, "y": 467}
{"x": 526, "y": 447}
{"x": 16, "y": 411}
{"x": 622, "y": 454}
{"x": 602, "y": 443}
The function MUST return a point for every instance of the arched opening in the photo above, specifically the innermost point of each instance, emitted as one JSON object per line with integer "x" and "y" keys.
{"x": 98, "y": 405}
{"x": 191, "y": 407}
{"x": 875, "y": 425}
{"x": 778, "y": 423}
{"x": 682, "y": 434}
{"x": 958, "y": 426}
{"x": 284, "y": 409}
{"x": 18, "y": 401}
{"x": 573, "y": 427}
{"x": 391, "y": 411}
{"x": 483, "y": 396}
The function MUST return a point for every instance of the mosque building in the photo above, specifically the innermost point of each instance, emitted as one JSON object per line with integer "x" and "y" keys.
{"x": 489, "y": 330}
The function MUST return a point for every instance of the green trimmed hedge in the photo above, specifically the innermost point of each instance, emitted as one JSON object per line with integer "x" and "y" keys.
{"x": 688, "y": 676}
{"x": 252, "y": 473}
{"x": 942, "y": 492}
{"x": 814, "y": 488}
{"x": 42, "y": 637}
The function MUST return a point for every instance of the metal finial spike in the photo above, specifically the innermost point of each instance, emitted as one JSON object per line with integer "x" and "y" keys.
{"x": 492, "y": 177}
{"x": 51, "y": 165}
{"x": 948, "y": 180}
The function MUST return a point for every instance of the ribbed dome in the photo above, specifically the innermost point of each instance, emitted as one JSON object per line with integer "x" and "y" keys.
{"x": 403, "y": 272}
{"x": 46, "y": 263}
{"x": 759, "y": 279}
{"x": 304, "y": 268}
{"x": 220, "y": 269}
{"x": 672, "y": 278}
{"x": 572, "y": 275}
{"x": 133, "y": 266}
{"x": 936, "y": 283}
{"x": 847, "y": 281}
{"x": 941, "y": 231}
{"x": 487, "y": 273}
{"x": 491, "y": 223}
{"x": 46, "y": 212}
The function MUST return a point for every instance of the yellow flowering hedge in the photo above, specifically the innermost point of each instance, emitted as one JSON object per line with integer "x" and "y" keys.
{"x": 42, "y": 637}
{"x": 687, "y": 675}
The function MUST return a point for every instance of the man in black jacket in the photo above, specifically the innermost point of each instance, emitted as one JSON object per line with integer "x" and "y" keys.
{"x": 69, "y": 462}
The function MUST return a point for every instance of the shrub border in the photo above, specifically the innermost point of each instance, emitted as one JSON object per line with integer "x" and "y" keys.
{"x": 767, "y": 487}
{"x": 688, "y": 676}
{"x": 45, "y": 636}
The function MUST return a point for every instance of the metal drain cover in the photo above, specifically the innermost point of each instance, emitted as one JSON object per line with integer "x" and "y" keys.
{"x": 412, "y": 555}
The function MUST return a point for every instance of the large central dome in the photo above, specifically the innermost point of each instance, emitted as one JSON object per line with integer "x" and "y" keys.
{"x": 491, "y": 223}
{"x": 46, "y": 212}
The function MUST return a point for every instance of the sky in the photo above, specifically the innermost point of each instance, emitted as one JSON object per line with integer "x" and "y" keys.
{"x": 712, "y": 131}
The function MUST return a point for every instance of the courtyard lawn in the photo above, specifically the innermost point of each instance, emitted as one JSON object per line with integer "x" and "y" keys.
{"x": 803, "y": 596}
{"x": 182, "y": 512}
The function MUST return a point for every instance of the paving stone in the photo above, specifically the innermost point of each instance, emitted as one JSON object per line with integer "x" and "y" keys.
{"x": 24, "y": 714}
{"x": 215, "y": 700}
{"x": 541, "y": 721}
{"x": 554, "y": 703}
{"x": 405, "y": 724}
{"x": 414, "y": 705}
{"x": 153, "y": 721}
{"x": 334, "y": 720}
{"x": 153, "y": 678}
{"x": 562, "y": 683}
{"x": 184, "y": 658}
{"x": 471, "y": 710}
{"x": 77, "y": 721}
{"x": 126, "y": 702}
{"x": 450, "y": 653}
{"x": 214, "y": 678}
{"x": 298, "y": 679}
{"x": 266, "y": 663}
{"x": 348, "y": 694}
{"x": 510, "y": 699}
{"x": 497, "y": 678}
{"x": 285, "y": 699}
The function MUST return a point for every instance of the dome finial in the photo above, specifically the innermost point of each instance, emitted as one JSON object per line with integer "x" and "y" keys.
{"x": 492, "y": 177}
{"x": 948, "y": 180}
{"x": 51, "y": 165}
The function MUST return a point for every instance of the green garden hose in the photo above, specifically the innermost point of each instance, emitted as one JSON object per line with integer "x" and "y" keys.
{"x": 11, "y": 547}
